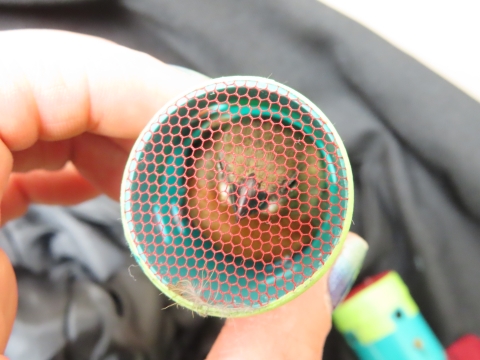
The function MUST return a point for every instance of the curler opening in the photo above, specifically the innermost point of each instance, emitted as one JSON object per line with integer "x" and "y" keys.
{"x": 237, "y": 195}
{"x": 255, "y": 187}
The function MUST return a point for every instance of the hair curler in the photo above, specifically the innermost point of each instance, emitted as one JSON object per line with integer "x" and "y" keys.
{"x": 237, "y": 196}
{"x": 380, "y": 321}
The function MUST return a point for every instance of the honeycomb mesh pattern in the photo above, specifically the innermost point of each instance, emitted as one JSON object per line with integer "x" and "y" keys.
{"x": 235, "y": 195}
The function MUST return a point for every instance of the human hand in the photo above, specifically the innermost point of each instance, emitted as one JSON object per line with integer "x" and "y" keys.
{"x": 71, "y": 107}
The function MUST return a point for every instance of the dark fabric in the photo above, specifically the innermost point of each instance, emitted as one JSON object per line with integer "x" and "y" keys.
{"x": 411, "y": 136}
{"x": 15, "y": 3}
{"x": 81, "y": 295}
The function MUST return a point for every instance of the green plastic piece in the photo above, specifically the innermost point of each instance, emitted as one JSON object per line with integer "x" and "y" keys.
{"x": 368, "y": 313}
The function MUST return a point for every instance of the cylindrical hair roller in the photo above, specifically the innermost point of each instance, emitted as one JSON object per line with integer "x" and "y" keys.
{"x": 380, "y": 321}
{"x": 237, "y": 196}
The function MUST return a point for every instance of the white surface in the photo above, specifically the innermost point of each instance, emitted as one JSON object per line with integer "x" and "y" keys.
{"x": 442, "y": 34}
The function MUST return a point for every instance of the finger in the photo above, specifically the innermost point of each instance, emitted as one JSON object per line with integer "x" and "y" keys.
{"x": 77, "y": 83}
{"x": 46, "y": 155}
{"x": 6, "y": 164}
{"x": 298, "y": 329}
{"x": 99, "y": 163}
{"x": 63, "y": 187}
{"x": 101, "y": 160}
{"x": 53, "y": 155}
{"x": 8, "y": 300}
{"x": 295, "y": 330}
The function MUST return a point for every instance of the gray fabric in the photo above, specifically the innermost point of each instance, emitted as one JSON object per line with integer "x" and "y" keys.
{"x": 81, "y": 295}
{"x": 411, "y": 136}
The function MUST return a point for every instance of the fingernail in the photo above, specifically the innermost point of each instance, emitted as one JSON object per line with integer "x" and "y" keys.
{"x": 346, "y": 268}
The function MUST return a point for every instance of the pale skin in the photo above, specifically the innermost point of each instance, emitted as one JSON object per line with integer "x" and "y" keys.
{"x": 70, "y": 108}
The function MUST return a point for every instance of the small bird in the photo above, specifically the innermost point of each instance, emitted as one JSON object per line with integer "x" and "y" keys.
{"x": 254, "y": 188}
{"x": 245, "y": 195}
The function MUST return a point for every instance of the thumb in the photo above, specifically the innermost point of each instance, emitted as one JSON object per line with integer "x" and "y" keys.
{"x": 298, "y": 329}
{"x": 8, "y": 300}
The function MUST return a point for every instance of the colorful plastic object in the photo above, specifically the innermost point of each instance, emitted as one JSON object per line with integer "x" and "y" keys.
{"x": 380, "y": 321}
{"x": 465, "y": 348}
{"x": 237, "y": 196}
